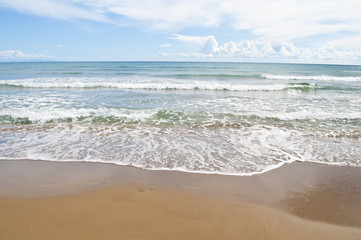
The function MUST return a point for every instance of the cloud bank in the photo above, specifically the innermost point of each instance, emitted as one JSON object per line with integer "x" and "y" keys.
{"x": 207, "y": 46}
{"x": 276, "y": 20}
{"x": 16, "y": 55}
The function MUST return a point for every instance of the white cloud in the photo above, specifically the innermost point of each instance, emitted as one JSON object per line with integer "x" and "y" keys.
{"x": 165, "y": 45}
{"x": 162, "y": 14}
{"x": 348, "y": 42}
{"x": 62, "y": 9}
{"x": 244, "y": 49}
{"x": 192, "y": 40}
{"x": 16, "y": 55}
{"x": 276, "y": 20}
{"x": 60, "y": 45}
{"x": 207, "y": 46}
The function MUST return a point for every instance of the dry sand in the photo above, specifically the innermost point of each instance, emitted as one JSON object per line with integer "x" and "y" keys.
{"x": 49, "y": 200}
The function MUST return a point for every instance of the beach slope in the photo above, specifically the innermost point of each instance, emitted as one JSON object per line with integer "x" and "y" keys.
{"x": 103, "y": 201}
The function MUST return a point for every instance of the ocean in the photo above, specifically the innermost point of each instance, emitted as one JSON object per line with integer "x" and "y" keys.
{"x": 220, "y": 118}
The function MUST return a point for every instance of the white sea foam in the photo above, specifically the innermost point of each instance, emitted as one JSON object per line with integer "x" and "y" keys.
{"x": 317, "y": 78}
{"x": 226, "y": 109}
{"x": 139, "y": 83}
{"x": 46, "y": 114}
{"x": 232, "y": 115}
{"x": 231, "y": 151}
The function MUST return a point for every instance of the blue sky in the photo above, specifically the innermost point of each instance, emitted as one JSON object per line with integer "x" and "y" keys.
{"x": 190, "y": 30}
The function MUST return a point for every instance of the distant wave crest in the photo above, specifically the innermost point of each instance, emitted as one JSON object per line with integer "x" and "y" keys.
{"x": 317, "y": 78}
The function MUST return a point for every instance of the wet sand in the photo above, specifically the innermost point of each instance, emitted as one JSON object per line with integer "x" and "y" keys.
{"x": 52, "y": 200}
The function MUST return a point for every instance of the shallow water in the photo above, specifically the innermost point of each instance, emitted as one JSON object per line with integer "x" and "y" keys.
{"x": 226, "y": 118}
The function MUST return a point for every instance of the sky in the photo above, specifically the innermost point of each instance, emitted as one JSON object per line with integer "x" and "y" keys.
{"x": 307, "y": 31}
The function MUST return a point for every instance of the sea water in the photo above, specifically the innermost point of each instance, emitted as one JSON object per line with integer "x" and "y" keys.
{"x": 224, "y": 118}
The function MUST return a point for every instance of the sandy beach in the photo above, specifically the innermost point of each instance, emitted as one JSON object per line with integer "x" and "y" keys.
{"x": 54, "y": 200}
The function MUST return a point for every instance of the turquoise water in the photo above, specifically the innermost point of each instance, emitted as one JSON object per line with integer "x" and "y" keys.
{"x": 226, "y": 118}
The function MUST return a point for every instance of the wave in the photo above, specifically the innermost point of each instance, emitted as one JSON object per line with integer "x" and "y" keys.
{"x": 91, "y": 115}
{"x": 239, "y": 150}
{"x": 317, "y": 78}
{"x": 347, "y": 124}
{"x": 150, "y": 84}
{"x": 219, "y": 76}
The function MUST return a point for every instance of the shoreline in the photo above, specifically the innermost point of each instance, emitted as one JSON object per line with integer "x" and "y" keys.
{"x": 314, "y": 200}
{"x": 166, "y": 169}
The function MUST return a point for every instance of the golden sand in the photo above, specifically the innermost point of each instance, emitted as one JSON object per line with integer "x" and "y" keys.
{"x": 140, "y": 212}
{"x": 171, "y": 210}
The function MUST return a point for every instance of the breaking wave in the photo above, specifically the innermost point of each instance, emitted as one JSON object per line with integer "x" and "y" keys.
{"x": 150, "y": 84}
